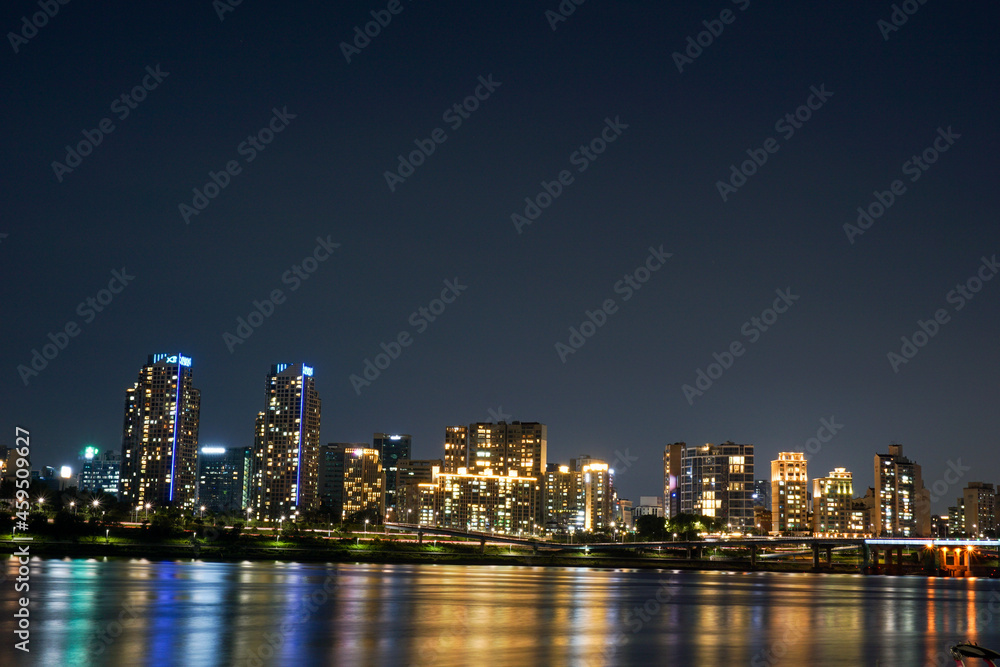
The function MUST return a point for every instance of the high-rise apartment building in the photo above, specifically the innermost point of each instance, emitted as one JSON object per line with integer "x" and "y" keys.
{"x": 224, "y": 479}
{"x": 672, "y": 470}
{"x": 392, "y": 449}
{"x": 160, "y": 435}
{"x": 456, "y": 448}
{"x": 330, "y": 486}
{"x": 717, "y": 481}
{"x": 364, "y": 486}
{"x": 501, "y": 448}
{"x": 563, "y": 499}
{"x": 956, "y": 519}
{"x": 789, "y": 487}
{"x": 980, "y": 510}
{"x": 410, "y": 473}
{"x": 833, "y": 498}
{"x": 903, "y": 505}
{"x": 480, "y": 501}
{"x": 286, "y": 445}
{"x": 598, "y": 494}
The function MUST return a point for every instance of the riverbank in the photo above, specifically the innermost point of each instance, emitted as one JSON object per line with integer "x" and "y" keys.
{"x": 398, "y": 553}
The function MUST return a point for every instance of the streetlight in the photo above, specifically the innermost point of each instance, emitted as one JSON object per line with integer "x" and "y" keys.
{"x": 366, "y": 526}
{"x": 278, "y": 534}
{"x": 73, "y": 505}
{"x": 147, "y": 510}
{"x": 41, "y": 501}
{"x": 202, "y": 512}
{"x": 107, "y": 536}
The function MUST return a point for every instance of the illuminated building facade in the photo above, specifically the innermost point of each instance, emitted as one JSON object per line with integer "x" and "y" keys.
{"x": 392, "y": 449}
{"x": 224, "y": 479}
{"x": 672, "y": 461}
{"x": 833, "y": 496}
{"x": 563, "y": 498}
{"x": 160, "y": 435}
{"x": 903, "y": 505}
{"x": 598, "y": 494}
{"x": 649, "y": 506}
{"x": 286, "y": 445}
{"x": 99, "y": 472}
{"x": 501, "y": 447}
{"x": 623, "y": 514}
{"x": 979, "y": 499}
{"x": 956, "y": 519}
{"x": 364, "y": 486}
{"x": 456, "y": 448}
{"x": 580, "y": 496}
{"x": 480, "y": 502}
{"x": 789, "y": 485}
{"x": 860, "y": 518}
{"x": 330, "y": 487}
{"x": 718, "y": 481}
{"x": 411, "y": 473}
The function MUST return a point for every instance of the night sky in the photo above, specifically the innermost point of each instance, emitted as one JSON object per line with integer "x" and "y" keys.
{"x": 519, "y": 285}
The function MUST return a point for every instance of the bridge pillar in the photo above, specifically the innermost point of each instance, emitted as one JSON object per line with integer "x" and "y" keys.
{"x": 482, "y": 545}
{"x": 688, "y": 550}
{"x": 829, "y": 555}
{"x": 888, "y": 560}
{"x": 865, "y": 557}
{"x": 899, "y": 560}
{"x": 815, "y": 548}
{"x": 753, "y": 556}
{"x": 420, "y": 537}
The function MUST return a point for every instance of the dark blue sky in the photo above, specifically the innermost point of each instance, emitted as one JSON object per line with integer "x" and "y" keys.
{"x": 323, "y": 175}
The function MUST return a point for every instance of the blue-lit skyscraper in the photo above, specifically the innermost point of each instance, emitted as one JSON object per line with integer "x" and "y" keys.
{"x": 286, "y": 445}
{"x": 160, "y": 435}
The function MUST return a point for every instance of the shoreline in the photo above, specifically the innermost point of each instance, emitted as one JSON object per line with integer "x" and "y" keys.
{"x": 453, "y": 556}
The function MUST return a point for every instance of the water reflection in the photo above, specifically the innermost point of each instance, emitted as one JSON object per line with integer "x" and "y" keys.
{"x": 196, "y": 613}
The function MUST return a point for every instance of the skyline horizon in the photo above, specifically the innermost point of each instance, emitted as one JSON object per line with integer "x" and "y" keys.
{"x": 617, "y": 456}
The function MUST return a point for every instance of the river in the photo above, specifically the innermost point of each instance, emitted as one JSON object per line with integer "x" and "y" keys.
{"x": 136, "y": 612}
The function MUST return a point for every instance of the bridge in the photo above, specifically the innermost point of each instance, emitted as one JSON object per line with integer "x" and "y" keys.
{"x": 955, "y": 553}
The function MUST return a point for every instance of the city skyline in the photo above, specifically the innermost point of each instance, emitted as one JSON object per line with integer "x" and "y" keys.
{"x": 641, "y": 224}
{"x": 495, "y": 454}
